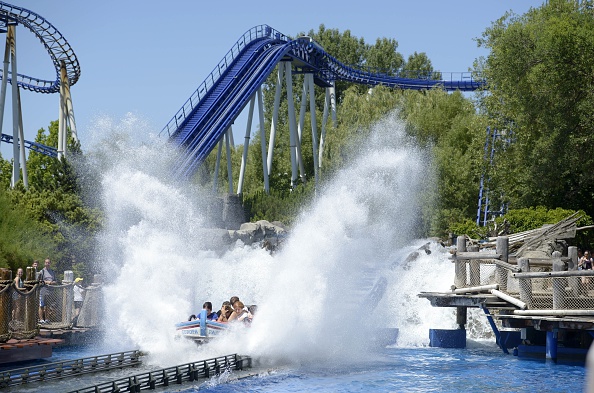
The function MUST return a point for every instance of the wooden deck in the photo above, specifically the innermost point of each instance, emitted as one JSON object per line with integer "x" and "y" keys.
{"x": 28, "y": 349}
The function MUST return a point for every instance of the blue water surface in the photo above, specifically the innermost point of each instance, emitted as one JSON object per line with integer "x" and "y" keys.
{"x": 417, "y": 370}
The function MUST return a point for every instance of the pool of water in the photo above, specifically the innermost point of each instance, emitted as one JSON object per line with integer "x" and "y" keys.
{"x": 417, "y": 370}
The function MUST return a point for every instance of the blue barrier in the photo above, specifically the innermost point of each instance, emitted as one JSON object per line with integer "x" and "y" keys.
{"x": 447, "y": 338}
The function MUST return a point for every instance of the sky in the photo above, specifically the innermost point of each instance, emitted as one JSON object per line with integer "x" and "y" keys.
{"x": 143, "y": 59}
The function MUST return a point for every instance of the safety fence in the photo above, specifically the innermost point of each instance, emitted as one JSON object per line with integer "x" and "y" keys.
{"x": 20, "y": 316}
{"x": 176, "y": 375}
{"x": 69, "y": 368}
{"x": 538, "y": 286}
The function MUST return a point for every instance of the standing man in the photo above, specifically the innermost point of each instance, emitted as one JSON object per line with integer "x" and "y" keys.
{"x": 48, "y": 277}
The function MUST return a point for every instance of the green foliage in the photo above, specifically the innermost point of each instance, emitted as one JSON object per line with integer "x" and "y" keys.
{"x": 51, "y": 218}
{"x": 279, "y": 205}
{"x": 521, "y": 220}
{"x": 22, "y": 238}
{"x": 541, "y": 86}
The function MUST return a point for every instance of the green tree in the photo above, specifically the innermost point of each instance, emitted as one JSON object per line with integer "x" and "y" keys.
{"x": 418, "y": 65}
{"x": 541, "y": 87}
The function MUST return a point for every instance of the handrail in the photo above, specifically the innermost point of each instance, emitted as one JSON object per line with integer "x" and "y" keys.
{"x": 257, "y": 32}
{"x": 171, "y": 375}
{"x": 69, "y": 368}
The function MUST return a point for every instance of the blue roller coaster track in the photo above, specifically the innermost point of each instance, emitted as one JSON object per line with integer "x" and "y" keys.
{"x": 204, "y": 118}
{"x": 34, "y": 146}
{"x": 59, "y": 50}
{"x": 53, "y": 41}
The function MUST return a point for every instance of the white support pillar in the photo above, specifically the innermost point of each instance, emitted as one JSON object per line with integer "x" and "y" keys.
{"x": 246, "y": 145}
{"x": 16, "y": 167}
{"x": 215, "y": 185}
{"x": 62, "y": 123}
{"x": 22, "y": 142}
{"x": 263, "y": 140}
{"x": 292, "y": 122}
{"x": 231, "y": 135}
{"x": 4, "y": 79}
{"x": 324, "y": 121}
{"x": 333, "y": 104}
{"x": 303, "y": 106}
{"x": 67, "y": 101}
{"x": 229, "y": 169}
{"x": 314, "y": 127}
{"x": 273, "y": 125}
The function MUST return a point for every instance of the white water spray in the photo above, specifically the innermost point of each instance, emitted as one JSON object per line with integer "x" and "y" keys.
{"x": 313, "y": 296}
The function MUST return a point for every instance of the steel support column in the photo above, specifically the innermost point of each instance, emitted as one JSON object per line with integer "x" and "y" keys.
{"x": 246, "y": 145}
{"x": 215, "y": 184}
{"x": 314, "y": 126}
{"x": 18, "y": 141}
{"x": 229, "y": 169}
{"x": 263, "y": 140}
{"x": 292, "y": 123}
{"x": 274, "y": 123}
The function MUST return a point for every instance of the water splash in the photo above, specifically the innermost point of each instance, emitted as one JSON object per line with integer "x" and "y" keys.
{"x": 313, "y": 296}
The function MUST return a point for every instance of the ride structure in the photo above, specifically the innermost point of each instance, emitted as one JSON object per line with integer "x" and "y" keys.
{"x": 206, "y": 117}
{"x": 67, "y": 74}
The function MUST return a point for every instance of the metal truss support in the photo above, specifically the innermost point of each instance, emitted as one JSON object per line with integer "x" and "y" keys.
{"x": 314, "y": 128}
{"x": 292, "y": 123}
{"x": 229, "y": 169}
{"x": 246, "y": 145}
{"x": 308, "y": 87}
{"x": 215, "y": 183}
{"x": 66, "y": 113}
{"x": 329, "y": 107}
{"x": 18, "y": 146}
{"x": 274, "y": 123}
{"x": 263, "y": 140}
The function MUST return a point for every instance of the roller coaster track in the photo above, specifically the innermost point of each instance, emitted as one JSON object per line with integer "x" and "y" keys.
{"x": 204, "y": 118}
{"x": 34, "y": 146}
{"x": 53, "y": 41}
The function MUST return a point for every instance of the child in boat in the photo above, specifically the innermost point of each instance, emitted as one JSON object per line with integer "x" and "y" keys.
{"x": 240, "y": 313}
{"x": 226, "y": 311}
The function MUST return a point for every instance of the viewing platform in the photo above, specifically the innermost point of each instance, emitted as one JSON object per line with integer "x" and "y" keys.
{"x": 24, "y": 337}
{"x": 535, "y": 299}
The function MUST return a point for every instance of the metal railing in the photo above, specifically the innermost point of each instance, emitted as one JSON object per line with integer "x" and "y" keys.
{"x": 188, "y": 372}
{"x": 19, "y": 315}
{"x": 257, "y": 32}
{"x": 69, "y": 368}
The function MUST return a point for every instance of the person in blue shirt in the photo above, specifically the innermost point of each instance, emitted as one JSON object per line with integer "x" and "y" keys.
{"x": 211, "y": 316}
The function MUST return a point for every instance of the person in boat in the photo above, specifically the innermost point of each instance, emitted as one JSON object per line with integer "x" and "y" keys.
{"x": 251, "y": 312}
{"x": 226, "y": 311}
{"x": 239, "y": 312}
{"x": 210, "y": 316}
{"x": 225, "y": 303}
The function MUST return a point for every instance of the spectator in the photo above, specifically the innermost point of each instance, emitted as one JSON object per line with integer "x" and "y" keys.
{"x": 18, "y": 280}
{"x": 48, "y": 277}
{"x": 78, "y": 291}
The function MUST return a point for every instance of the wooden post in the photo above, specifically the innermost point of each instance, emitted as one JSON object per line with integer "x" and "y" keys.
{"x": 574, "y": 282}
{"x": 525, "y": 283}
{"x": 502, "y": 247}
{"x": 31, "y": 274}
{"x": 32, "y": 310}
{"x": 461, "y": 316}
{"x": 5, "y": 303}
{"x": 460, "y": 270}
{"x": 559, "y": 283}
{"x": 475, "y": 268}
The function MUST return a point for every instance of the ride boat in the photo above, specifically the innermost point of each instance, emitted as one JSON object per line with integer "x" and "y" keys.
{"x": 200, "y": 329}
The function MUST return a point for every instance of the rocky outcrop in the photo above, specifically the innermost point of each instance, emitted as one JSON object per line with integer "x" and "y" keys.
{"x": 265, "y": 232}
